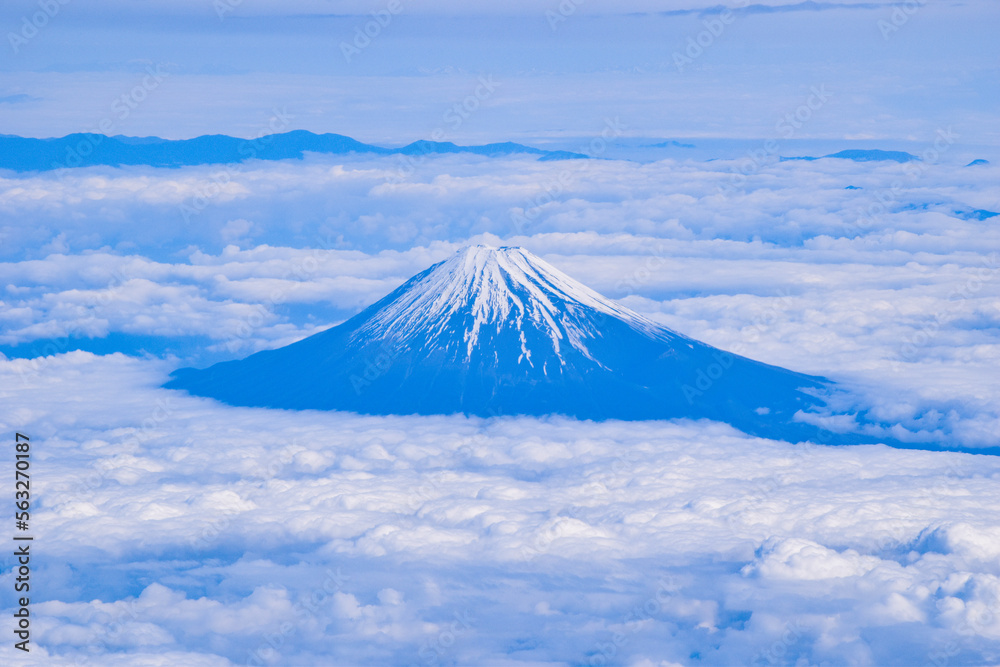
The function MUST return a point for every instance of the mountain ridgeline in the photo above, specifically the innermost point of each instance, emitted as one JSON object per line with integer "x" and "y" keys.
{"x": 499, "y": 332}
{"x": 87, "y": 150}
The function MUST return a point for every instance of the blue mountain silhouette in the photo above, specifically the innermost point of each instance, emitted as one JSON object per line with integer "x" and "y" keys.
{"x": 860, "y": 155}
{"x": 498, "y": 331}
{"x": 87, "y": 150}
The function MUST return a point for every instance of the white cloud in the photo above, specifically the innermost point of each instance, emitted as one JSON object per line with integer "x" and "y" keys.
{"x": 203, "y": 529}
{"x": 207, "y": 532}
{"x": 902, "y": 309}
{"x": 794, "y": 558}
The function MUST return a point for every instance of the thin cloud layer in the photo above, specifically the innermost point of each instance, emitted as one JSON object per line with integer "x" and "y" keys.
{"x": 440, "y": 7}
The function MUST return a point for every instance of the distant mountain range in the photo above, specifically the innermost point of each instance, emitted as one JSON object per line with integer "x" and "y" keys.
{"x": 499, "y": 332}
{"x": 23, "y": 154}
{"x": 87, "y": 150}
{"x": 858, "y": 155}
{"x": 673, "y": 143}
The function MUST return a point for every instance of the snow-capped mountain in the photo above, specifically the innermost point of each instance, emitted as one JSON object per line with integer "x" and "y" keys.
{"x": 498, "y": 331}
{"x": 480, "y": 299}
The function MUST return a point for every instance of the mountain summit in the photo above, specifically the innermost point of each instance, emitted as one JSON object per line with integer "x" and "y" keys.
{"x": 498, "y": 331}
{"x": 501, "y": 308}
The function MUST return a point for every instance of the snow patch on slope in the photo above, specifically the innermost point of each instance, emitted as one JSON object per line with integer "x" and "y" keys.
{"x": 500, "y": 287}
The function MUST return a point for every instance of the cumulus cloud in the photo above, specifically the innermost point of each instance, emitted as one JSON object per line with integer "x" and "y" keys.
{"x": 358, "y": 203}
{"x": 888, "y": 288}
{"x": 218, "y": 535}
{"x": 214, "y": 535}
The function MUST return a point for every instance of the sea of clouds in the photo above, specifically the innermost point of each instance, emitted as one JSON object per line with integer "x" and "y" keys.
{"x": 176, "y": 530}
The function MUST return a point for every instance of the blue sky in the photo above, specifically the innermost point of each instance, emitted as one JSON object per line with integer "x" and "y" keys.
{"x": 934, "y": 65}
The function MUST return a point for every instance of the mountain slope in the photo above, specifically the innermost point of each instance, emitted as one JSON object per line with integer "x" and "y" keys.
{"x": 498, "y": 331}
